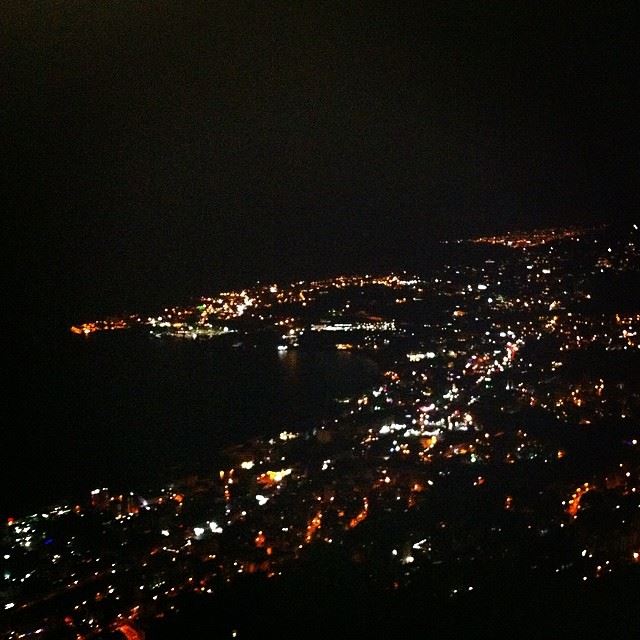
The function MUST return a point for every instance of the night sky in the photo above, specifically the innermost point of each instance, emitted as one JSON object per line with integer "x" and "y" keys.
{"x": 160, "y": 149}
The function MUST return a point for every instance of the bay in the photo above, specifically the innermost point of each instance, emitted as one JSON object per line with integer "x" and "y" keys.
{"x": 130, "y": 411}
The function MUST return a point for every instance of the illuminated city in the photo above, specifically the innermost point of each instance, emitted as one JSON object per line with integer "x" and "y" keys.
{"x": 324, "y": 320}
{"x": 501, "y": 440}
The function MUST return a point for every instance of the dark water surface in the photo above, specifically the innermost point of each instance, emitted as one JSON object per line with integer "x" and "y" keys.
{"x": 131, "y": 411}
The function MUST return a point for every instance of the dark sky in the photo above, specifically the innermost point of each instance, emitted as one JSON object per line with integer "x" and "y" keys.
{"x": 159, "y": 149}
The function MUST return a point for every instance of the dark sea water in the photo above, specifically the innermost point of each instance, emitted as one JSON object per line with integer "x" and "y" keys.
{"x": 131, "y": 411}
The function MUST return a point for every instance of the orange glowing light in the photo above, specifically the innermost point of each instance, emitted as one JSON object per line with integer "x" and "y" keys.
{"x": 573, "y": 505}
{"x": 129, "y": 632}
{"x": 429, "y": 443}
{"x": 356, "y": 520}
{"x": 273, "y": 477}
{"x": 313, "y": 526}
